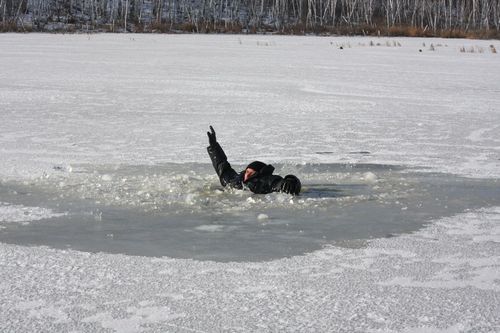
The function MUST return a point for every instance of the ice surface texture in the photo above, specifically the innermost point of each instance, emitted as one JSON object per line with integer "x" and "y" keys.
{"x": 442, "y": 279}
{"x": 148, "y": 99}
{"x": 137, "y": 99}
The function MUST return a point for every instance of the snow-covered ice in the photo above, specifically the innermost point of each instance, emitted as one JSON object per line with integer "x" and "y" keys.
{"x": 67, "y": 102}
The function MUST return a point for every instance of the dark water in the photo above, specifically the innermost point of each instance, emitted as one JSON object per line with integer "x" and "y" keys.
{"x": 180, "y": 210}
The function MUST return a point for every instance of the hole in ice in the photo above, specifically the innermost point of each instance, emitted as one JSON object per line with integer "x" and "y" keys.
{"x": 181, "y": 211}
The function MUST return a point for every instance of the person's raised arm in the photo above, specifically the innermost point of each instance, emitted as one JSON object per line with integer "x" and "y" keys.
{"x": 226, "y": 173}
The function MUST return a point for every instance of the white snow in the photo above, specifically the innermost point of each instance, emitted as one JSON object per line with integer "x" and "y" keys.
{"x": 148, "y": 99}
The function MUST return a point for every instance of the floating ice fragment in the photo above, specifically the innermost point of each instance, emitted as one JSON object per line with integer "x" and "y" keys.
{"x": 107, "y": 178}
{"x": 22, "y": 214}
{"x": 281, "y": 197}
{"x": 210, "y": 228}
{"x": 370, "y": 177}
{"x": 262, "y": 217}
{"x": 191, "y": 198}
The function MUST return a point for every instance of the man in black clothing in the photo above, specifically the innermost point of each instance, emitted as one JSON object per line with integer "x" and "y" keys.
{"x": 257, "y": 177}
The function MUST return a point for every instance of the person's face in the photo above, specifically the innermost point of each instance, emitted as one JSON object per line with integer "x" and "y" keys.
{"x": 249, "y": 172}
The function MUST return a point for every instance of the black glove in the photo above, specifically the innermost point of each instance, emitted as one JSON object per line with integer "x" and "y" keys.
{"x": 290, "y": 185}
{"x": 211, "y": 136}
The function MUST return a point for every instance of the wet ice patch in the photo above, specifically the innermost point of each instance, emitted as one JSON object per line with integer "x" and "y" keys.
{"x": 181, "y": 210}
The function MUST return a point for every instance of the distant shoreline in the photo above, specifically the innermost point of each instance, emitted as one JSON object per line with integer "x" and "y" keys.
{"x": 337, "y": 32}
{"x": 479, "y": 19}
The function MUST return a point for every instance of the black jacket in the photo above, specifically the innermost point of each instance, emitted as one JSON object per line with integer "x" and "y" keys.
{"x": 261, "y": 182}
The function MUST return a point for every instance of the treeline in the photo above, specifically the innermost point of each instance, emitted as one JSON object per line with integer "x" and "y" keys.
{"x": 395, "y": 17}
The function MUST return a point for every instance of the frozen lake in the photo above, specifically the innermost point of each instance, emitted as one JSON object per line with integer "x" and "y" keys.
{"x": 111, "y": 218}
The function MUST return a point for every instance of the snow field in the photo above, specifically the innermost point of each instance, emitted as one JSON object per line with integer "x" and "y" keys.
{"x": 148, "y": 99}
{"x": 145, "y": 99}
{"x": 441, "y": 279}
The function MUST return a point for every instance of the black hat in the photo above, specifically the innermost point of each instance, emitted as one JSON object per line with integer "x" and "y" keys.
{"x": 256, "y": 165}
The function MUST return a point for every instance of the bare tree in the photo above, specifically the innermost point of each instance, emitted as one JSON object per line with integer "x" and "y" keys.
{"x": 437, "y": 15}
